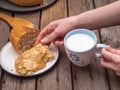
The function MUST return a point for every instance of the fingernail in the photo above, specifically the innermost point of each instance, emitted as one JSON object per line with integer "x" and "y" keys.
{"x": 43, "y": 40}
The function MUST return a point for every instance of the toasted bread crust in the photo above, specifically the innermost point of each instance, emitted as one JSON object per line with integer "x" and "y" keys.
{"x": 16, "y": 36}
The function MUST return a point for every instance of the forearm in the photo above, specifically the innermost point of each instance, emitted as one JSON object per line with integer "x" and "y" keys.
{"x": 101, "y": 17}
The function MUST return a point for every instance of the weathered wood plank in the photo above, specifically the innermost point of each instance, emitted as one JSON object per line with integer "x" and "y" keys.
{"x": 33, "y": 17}
{"x": 76, "y": 7}
{"x": 12, "y": 83}
{"x": 100, "y": 3}
{"x": 110, "y": 36}
{"x": 4, "y": 31}
{"x": 93, "y": 76}
{"x": 58, "y": 78}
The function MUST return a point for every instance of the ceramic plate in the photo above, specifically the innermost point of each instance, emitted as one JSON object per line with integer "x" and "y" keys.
{"x": 8, "y": 56}
{"x": 5, "y": 4}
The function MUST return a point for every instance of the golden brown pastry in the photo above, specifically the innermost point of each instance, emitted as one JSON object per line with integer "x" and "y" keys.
{"x": 23, "y": 38}
{"x": 14, "y": 22}
{"x": 33, "y": 59}
{"x": 26, "y": 2}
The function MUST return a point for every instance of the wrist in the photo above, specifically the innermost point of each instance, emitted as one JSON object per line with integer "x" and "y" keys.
{"x": 73, "y": 21}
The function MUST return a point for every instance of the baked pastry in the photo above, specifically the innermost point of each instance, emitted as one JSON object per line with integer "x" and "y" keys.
{"x": 27, "y": 2}
{"x": 33, "y": 59}
{"x": 15, "y": 22}
{"x": 23, "y": 38}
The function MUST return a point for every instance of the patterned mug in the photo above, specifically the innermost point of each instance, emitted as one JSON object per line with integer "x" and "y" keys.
{"x": 81, "y": 46}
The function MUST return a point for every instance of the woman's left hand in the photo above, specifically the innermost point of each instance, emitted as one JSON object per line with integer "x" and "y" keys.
{"x": 111, "y": 59}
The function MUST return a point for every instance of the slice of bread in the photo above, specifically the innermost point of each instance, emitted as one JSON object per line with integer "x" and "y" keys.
{"x": 33, "y": 59}
{"x": 23, "y": 38}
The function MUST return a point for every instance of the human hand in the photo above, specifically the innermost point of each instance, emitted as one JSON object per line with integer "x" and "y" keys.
{"x": 56, "y": 31}
{"x": 111, "y": 59}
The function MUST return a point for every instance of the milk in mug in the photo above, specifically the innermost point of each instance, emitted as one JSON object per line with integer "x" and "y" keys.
{"x": 80, "y": 42}
{"x": 81, "y": 46}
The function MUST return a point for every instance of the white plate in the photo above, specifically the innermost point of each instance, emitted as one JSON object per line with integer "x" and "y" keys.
{"x": 8, "y": 56}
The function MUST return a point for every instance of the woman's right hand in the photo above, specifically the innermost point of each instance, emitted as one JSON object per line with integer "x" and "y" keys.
{"x": 56, "y": 31}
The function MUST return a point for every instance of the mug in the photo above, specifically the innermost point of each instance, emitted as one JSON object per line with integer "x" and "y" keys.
{"x": 81, "y": 46}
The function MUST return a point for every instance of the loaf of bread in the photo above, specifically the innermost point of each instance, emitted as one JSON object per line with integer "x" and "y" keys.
{"x": 23, "y": 38}
{"x": 26, "y": 2}
{"x": 33, "y": 59}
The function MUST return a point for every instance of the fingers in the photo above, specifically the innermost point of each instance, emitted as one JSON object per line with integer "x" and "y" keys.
{"x": 43, "y": 33}
{"x": 118, "y": 73}
{"x": 112, "y": 50}
{"x": 111, "y": 56}
{"x": 110, "y": 65}
{"x": 49, "y": 38}
{"x": 47, "y": 31}
{"x": 59, "y": 43}
{"x": 111, "y": 59}
{"x": 107, "y": 64}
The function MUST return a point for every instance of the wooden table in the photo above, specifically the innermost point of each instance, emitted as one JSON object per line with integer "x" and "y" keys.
{"x": 64, "y": 75}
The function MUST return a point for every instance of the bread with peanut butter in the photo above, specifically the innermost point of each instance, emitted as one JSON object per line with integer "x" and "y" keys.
{"x": 33, "y": 59}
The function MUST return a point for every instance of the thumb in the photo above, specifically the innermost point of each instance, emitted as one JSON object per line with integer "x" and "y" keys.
{"x": 49, "y": 38}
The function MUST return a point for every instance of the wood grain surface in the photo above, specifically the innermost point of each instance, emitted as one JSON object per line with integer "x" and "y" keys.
{"x": 64, "y": 75}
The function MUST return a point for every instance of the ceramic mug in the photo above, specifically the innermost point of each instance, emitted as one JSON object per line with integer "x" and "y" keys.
{"x": 81, "y": 46}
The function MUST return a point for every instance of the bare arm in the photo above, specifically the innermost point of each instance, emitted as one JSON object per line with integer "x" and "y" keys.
{"x": 101, "y": 17}
{"x": 94, "y": 19}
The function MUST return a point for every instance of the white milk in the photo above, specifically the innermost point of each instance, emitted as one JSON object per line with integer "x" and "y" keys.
{"x": 80, "y": 42}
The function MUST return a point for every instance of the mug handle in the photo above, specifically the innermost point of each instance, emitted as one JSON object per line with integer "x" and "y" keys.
{"x": 100, "y": 46}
